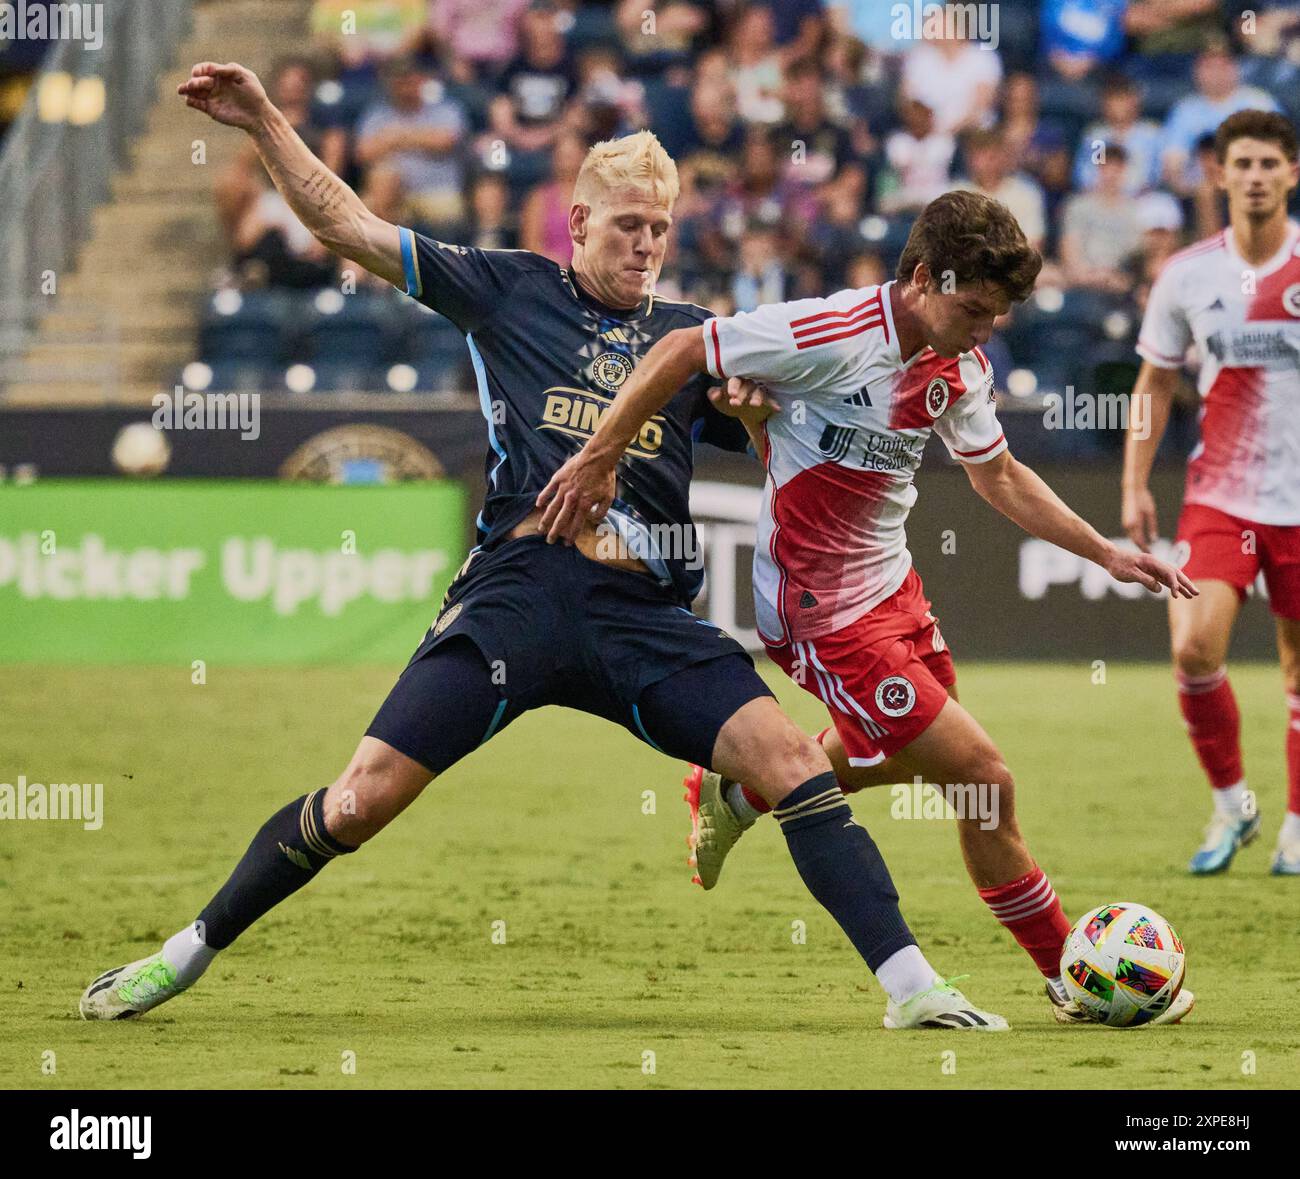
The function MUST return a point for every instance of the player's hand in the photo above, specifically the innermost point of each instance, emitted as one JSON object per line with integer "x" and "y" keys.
{"x": 1147, "y": 570}
{"x": 1138, "y": 516}
{"x": 579, "y": 494}
{"x": 744, "y": 399}
{"x": 229, "y": 93}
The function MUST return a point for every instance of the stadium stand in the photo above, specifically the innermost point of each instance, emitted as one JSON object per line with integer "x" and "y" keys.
{"x": 807, "y": 134}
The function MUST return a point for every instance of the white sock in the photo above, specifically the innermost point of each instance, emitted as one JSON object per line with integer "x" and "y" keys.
{"x": 906, "y": 973}
{"x": 1231, "y": 800}
{"x": 739, "y": 805}
{"x": 1290, "y": 827}
{"x": 1059, "y": 987}
{"x": 187, "y": 955}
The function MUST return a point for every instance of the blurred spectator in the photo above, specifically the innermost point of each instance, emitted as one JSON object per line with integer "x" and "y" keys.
{"x": 659, "y": 34}
{"x": 991, "y": 172}
{"x": 1208, "y": 204}
{"x": 760, "y": 194}
{"x": 799, "y": 26}
{"x": 835, "y": 237}
{"x": 272, "y": 248}
{"x": 291, "y": 86}
{"x": 363, "y": 34}
{"x": 958, "y": 78}
{"x": 608, "y": 104}
{"x": 920, "y": 160}
{"x": 1267, "y": 28}
{"x": 1121, "y": 123}
{"x": 490, "y": 221}
{"x": 1219, "y": 93}
{"x": 714, "y": 128}
{"x": 481, "y": 35}
{"x": 760, "y": 278}
{"x": 1079, "y": 35}
{"x": 1039, "y": 145}
{"x": 1174, "y": 28}
{"x": 535, "y": 86}
{"x": 411, "y": 144}
{"x": 866, "y": 269}
{"x": 870, "y": 21}
{"x": 1101, "y": 228}
{"x": 860, "y": 89}
{"x": 544, "y": 223}
{"x": 820, "y": 151}
{"x": 756, "y": 66}
{"x": 1161, "y": 222}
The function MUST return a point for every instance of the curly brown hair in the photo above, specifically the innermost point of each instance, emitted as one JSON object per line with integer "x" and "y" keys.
{"x": 977, "y": 240}
{"x": 1266, "y": 125}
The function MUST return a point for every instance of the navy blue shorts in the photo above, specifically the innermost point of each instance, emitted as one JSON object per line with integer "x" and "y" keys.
{"x": 528, "y": 624}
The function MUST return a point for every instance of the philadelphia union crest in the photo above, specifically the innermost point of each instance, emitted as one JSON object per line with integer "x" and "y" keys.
{"x": 610, "y": 369}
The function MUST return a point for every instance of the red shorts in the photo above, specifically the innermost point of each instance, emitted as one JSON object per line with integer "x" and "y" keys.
{"x": 884, "y": 677}
{"x": 1221, "y": 547}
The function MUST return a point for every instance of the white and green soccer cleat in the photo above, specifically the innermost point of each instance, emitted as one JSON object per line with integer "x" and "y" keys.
{"x": 942, "y": 1006}
{"x": 714, "y": 826}
{"x": 130, "y": 990}
{"x": 1068, "y": 1011}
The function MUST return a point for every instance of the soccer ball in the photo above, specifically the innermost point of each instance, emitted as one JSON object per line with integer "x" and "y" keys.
{"x": 1123, "y": 964}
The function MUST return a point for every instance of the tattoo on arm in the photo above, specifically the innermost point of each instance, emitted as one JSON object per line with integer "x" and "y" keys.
{"x": 323, "y": 188}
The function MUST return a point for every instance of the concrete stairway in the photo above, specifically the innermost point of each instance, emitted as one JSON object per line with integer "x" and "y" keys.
{"x": 125, "y": 319}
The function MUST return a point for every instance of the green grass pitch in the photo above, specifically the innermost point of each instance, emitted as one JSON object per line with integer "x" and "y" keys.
{"x": 615, "y": 972}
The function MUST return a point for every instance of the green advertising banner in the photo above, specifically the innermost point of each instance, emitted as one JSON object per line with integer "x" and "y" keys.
{"x": 228, "y": 572}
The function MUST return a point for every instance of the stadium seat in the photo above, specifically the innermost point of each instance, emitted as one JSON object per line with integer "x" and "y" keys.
{"x": 244, "y": 326}
{"x": 347, "y": 329}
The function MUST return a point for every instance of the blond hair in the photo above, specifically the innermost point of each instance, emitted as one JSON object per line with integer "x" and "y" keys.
{"x": 637, "y": 159}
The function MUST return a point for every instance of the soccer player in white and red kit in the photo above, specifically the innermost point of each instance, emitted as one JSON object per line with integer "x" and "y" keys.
{"x": 1235, "y": 298}
{"x": 860, "y": 379}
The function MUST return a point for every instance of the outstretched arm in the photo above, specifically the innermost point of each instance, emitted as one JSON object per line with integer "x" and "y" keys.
{"x": 335, "y": 215}
{"x": 1020, "y": 495}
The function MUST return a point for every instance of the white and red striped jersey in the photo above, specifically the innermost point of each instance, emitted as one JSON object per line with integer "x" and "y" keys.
{"x": 843, "y": 451}
{"x": 1244, "y": 322}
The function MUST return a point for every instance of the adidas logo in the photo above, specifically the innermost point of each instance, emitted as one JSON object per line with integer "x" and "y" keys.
{"x": 859, "y": 398}
{"x": 297, "y": 857}
{"x": 806, "y": 600}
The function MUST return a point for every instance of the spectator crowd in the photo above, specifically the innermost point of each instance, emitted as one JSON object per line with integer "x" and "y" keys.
{"x": 808, "y": 133}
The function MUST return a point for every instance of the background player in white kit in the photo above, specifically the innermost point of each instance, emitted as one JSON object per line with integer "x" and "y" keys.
{"x": 859, "y": 380}
{"x": 1236, "y": 296}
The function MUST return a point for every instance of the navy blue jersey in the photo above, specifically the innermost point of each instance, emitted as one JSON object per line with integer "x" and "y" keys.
{"x": 549, "y": 360}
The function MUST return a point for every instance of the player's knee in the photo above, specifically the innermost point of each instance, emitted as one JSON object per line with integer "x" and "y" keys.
{"x": 789, "y": 758}
{"x": 1194, "y": 655}
{"x": 365, "y": 799}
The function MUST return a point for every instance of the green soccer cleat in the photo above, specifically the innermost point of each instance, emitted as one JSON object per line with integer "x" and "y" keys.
{"x": 714, "y": 826}
{"x": 942, "y": 1006}
{"x": 130, "y": 990}
{"x": 1068, "y": 1011}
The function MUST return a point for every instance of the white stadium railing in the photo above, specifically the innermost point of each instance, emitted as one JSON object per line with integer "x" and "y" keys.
{"x": 59, "y": 156}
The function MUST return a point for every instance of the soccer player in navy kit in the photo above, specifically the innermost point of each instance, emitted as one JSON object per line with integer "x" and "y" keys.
{"x": 599, "y": 626}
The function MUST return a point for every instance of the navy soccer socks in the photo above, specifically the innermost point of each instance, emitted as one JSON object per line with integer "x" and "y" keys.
{"x": 285, "y": 854}
{"x": 843, "y": 869}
